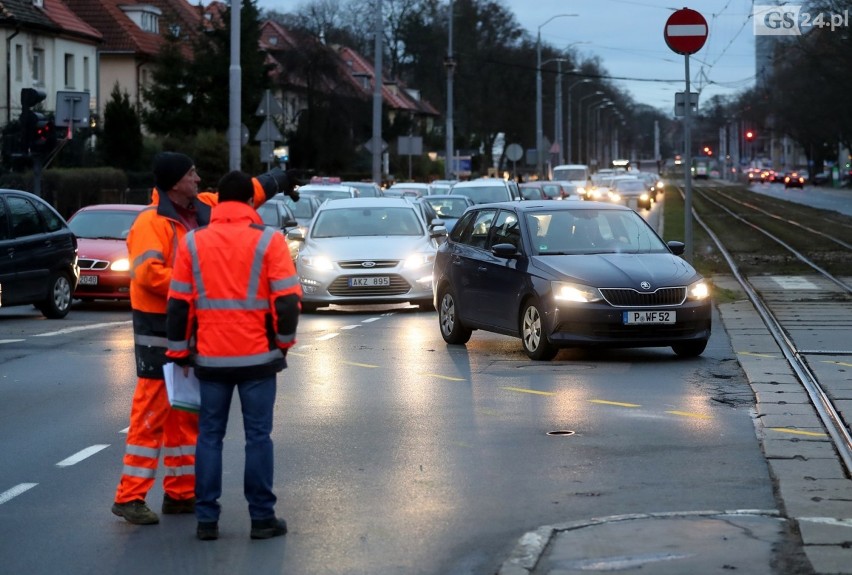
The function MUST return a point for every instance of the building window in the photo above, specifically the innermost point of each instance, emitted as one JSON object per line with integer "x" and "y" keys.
{"x": 69, "y": 70}
{"x": 38, "y": 66}
{"x": 19, "y": 63}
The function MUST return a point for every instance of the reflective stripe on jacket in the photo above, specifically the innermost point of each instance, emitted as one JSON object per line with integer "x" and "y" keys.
{"x": 234, "y": 297}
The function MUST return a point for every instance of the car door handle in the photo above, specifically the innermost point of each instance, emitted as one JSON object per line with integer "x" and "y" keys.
{"x": 482, "y": 269}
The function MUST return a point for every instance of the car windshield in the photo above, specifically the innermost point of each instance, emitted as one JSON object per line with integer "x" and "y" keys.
{"x": 591, "y": 231}
{"x": 630, "y": 186}
{"x": 484, "y": 194}
{"x": 373, "y": 221}
{"x": 552, "y": 190}
{"x": 448, "y": 207}
{"x": 569, "y": 174}
{"x": 300, "y": 209}
{"x": 102, "y": 224}
{"x": 326, "y": 194}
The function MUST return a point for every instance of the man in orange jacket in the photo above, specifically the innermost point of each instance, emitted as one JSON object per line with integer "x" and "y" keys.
{"x": 233, "y": 309}
{"x": 152, "y": 244}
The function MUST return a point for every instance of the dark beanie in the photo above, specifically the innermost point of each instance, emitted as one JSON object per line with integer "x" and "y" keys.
{"x": 236, "y": 186}
{"x": 169, "y": 168}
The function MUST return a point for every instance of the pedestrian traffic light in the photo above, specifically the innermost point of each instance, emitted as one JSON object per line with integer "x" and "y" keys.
{"x": 749, "y": 135}
{"x": 32, "y": 122}
{"x": 44, "y": 136}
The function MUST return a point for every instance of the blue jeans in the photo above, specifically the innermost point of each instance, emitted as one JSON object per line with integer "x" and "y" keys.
{"x": 257, "y": 399}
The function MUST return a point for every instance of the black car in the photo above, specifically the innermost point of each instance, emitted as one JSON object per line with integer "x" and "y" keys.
{"x": 794, "y": 180}
{"x": 568, "y": 274}
{"x": 38, "y": 254}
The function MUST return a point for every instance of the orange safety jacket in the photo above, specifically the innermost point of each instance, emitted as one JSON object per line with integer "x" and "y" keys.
{"x": 152, "y": 246}
{"x": 234, "y": 298}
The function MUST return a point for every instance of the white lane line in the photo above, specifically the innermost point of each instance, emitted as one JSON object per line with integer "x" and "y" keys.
{"x": 15, "y": 491}
{"x": 371, "y": 320}
{"x": 125, "y": 430}
{"x": 83, "y": 328}
{"x": 328, "y": 336}
{"x": 81, "y": 455}
{"x": 11, "y": 340}
{"x": 350, "y": 326}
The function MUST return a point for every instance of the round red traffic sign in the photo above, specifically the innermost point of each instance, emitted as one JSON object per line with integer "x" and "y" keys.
{"x": 685, "y": 31}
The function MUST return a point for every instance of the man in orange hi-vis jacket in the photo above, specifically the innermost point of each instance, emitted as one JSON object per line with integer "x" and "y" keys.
{"x": 155, "y": 427}
{"x": 232, "y": 313}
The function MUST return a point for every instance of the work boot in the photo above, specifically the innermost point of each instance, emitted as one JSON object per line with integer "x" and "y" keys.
{"x": 136, "y": 512}
{"x": 172, "y": 506}
{"x": 207, "y": 530}
{"x": 266, "y": 528}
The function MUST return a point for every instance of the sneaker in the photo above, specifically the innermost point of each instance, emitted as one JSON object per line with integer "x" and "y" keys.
{"x": 207, "y": 530}
{"x": 172, "y": 506}
{"x": 266, "y": 528}
{"x": 136, "y": 512}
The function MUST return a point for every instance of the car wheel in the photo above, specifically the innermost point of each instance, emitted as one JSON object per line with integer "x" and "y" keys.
{"x": 452, "y": 329}
{"x": 309, "y": 307}
{"x": 690, "y": 349}
{"x": 534, "y": 339}
{"x": 58, "y": 301}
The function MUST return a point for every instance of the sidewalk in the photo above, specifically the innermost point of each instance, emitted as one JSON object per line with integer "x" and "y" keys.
{"x": 810, "y": 534}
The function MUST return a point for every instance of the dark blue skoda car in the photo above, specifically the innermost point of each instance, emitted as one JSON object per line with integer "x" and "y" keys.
{"x": 568, "y": 274}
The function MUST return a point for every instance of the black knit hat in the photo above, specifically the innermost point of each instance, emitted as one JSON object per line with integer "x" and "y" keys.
{"x": 169, "y": 168}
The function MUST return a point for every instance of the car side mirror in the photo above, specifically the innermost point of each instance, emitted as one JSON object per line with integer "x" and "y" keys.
{"x": 296, "y": 235}
{"x": 438, "y": 231}
{"x": 291, "y": 224}
{"x": 677, "y": 248}
{"x": 504, "y": 250}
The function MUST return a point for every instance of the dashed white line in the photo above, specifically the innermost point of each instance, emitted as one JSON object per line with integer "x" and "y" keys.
{"x": 15, "y": 491}
{"x": 11, "y": 340}
{"x": 81, "y": 455}
{"x": 327, "y": 336}
{"x": 83, "y": 328}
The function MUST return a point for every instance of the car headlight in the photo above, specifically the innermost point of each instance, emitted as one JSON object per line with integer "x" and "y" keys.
{"x": 698, "y": 291}
{"x": 567, "y": 291}
{"x": 418, "y": 261}
{"x": 121, "y": 265}
{"x": 321, "y": 263}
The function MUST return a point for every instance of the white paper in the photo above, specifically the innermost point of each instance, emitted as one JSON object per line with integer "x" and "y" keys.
{"x": 184, "y": 390}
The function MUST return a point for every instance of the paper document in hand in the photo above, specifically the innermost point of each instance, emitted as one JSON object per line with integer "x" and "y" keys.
{"x": 184, "y": 390}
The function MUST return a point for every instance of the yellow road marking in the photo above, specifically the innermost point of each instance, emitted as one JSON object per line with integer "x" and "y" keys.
{"x": 618, "y": 403}
{"x": 445, "y": 377}
{"x": 358, "y": 364}
{"x": 756, "y": 354}
{"x": 688, "y": 414}
{"x": 797, "y": 432}
{"x": 844, "y": 364}
{"x": 522, "y": 390}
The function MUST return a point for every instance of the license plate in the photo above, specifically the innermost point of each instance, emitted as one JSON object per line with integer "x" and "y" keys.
{"x": 633, "y": 317}
{"x": 89, "y": 280}
{"x": 377, "y": 281}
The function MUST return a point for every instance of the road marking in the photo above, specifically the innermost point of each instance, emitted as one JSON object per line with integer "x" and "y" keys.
{"x": 83, "y": 328}
{"x": 794, "y": 282}
{"x": 125, "y": 430}
{"x": 844, "y": 364}
{"x": 756, "y": 354}
{"x": 618, "y": 403}
{"x": 372, "y": 319}
{"x": 439, "y": 376}
{"x": 328, "y": 336}
{"x": 11, "y": 340}
{"x": 522, "y": 390}
{"x": 15, "y": 491}
{"x": 81, "y": 455}
{"x": 351, "y": 326}
{"x": 796, "y": 431}
{"x": 688, "y": 414}
{"x": 356, "y": 364}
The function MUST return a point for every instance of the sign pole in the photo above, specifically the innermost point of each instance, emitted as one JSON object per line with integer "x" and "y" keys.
{"x": 687, "y": 156}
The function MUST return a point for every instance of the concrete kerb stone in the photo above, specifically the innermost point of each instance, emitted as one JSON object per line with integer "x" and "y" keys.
{"x": 531, "y": 546}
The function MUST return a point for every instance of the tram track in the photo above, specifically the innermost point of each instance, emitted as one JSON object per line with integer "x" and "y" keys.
{"x": 736, "y": 218}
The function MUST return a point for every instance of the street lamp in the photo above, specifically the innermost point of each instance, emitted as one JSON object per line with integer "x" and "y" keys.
{"x": 450, "y": 65}
{"x": 597, "y": 132}
{"x": 557, "y": 109}
{"x": 539, "y": 130}
{"x": 580, "y": 124}
{"x": 583, "y": 81}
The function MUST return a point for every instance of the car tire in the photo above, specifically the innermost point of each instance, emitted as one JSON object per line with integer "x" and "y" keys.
{"x": 533, "y": 338}
{"x": 690, "y": 349}
{"x": 58, "y": 301}
{"x": 452, "y": 329}
{"x": 309, "y": 307}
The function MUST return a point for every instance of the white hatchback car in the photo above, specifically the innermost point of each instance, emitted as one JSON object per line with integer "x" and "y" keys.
{"x": 367, "y": 251}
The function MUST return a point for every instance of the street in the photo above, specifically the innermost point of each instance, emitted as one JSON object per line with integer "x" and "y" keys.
{"x": 395, "y": 452}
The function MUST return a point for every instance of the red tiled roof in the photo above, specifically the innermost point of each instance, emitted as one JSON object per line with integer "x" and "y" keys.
{"x": 70, "y": 23}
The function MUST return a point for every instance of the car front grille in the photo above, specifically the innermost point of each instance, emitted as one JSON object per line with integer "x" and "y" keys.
{"x": 340, "y": 288}
{"x": 376, "y": 264}
{"x": 632, "y": 298}
{"x": 90, "y": 264}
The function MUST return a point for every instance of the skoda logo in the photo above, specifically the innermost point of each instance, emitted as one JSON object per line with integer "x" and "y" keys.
{"x": 645, "y": 285}
{"x": 368, "y": 264}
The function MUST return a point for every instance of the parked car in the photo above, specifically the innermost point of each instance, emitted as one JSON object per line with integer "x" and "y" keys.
{"x": 39, "y": 255}
{"x": 794, "y": 180}
{"x": 101, "y": 231}
{"x": 448, "y": 207}
{"x": 328, "y": 191}
{"x": 568, "y": 274}
{"x": 367, "y": 251}
{"x": 486, "y": 190}
{"x": 366, "y": 189}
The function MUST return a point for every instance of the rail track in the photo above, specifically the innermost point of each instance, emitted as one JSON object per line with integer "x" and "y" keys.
{"x": 794, "y": 264}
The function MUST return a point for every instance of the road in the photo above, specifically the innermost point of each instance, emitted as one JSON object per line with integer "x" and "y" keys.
{"x": 396, "y": 454}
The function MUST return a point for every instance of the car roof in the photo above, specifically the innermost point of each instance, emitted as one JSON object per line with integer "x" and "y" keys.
{"x": 324, "y": 188}
{"x": 550, "y": 205}
{"x": 480, "y": 182}
{"x": 113, "y": 207}
{"x": 446, "y": 197}
{"x": 382, "y": 202}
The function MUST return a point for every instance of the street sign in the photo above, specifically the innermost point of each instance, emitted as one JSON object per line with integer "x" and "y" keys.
{"x": 685, "y": 31}
{"x": 268, "y": 132}
{"x": 680, "y": 103}
{"x": 269, "y": 105}
{"x": 369, "y": 145}
{"x": 514, "y": 152}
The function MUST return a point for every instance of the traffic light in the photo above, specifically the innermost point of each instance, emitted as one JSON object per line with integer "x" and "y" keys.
{"x": 708, "y": 151}
{"x": 749, "y": 135}
{"x": 44, "y": 136}
{"x": 38, "y": 134}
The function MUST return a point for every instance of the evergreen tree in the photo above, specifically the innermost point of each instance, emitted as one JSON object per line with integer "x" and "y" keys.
{"x": 122, "y": 133}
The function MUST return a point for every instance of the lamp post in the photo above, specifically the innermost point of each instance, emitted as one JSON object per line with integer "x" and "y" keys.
{"x": 450, "y": 65}
{"x": 557, "y": 109}
{"x": 571, "y": 87}
{"x": 597, "y": 133}
{"x": 580, "y": 123}
{"x": 539, "y": 130}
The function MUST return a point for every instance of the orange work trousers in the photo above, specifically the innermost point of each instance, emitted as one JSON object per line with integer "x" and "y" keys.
{"x": 154, "y": 425}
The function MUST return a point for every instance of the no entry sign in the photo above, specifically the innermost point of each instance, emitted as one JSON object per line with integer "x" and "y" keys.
{"x": 685, "y": 31}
